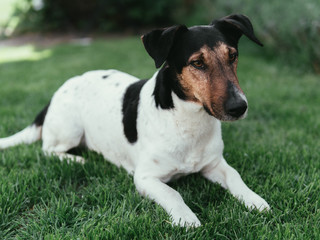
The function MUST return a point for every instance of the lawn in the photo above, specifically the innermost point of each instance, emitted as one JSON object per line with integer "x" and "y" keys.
{"x": 275, "y": 149}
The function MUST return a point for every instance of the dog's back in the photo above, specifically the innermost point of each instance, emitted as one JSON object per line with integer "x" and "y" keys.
{"x": 87, "y": 109}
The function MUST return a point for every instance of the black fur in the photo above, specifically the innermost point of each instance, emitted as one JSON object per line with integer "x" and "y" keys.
{"x": 38, "y": 121}
{"x": 158, "y": 43}
{"x": 234, "y": 26}
{"x": 130, "y": 110}
{"x": 167, "y": 82}
{"x": 191, "y": 42}
{"x": 207, "y": 110}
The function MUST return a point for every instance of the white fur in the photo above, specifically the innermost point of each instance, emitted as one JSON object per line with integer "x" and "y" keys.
{"x": 171, "y": 143}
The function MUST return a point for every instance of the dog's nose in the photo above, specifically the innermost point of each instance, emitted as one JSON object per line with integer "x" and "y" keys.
{"x": 236, "y": 108}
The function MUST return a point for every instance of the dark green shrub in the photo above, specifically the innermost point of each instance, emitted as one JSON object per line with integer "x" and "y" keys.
{"x": 289, "y": 30}
{"x": 86, "y": 15}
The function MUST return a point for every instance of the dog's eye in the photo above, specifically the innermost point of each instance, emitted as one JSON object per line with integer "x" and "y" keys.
{"x": 199, "y": 64}
{"x": 233, "y": 57}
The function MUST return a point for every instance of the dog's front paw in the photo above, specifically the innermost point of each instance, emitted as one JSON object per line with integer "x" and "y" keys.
{"x": 186, "y": 219}
{"x": 254, "y": 201}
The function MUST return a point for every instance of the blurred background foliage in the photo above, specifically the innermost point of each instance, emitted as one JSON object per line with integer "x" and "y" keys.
{"x": 290, "y": 30}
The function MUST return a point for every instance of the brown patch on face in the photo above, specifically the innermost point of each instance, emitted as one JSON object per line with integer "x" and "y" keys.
{"x": 207, "y": 84}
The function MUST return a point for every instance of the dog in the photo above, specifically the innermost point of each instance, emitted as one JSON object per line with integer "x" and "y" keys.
{"x": 162, "y": 128}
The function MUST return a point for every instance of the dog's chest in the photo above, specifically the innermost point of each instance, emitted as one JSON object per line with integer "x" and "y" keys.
{"x": 198, "y": 148}
{"x": 186, "y": 147}
{"x": 191, "y": 157}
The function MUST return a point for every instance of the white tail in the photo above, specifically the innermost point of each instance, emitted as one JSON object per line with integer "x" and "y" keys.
{"x": 28, "y": 135}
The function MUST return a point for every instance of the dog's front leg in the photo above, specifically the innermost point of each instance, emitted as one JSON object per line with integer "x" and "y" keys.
{"x": 168, "y": 198}
{"x": 230, "y": 179}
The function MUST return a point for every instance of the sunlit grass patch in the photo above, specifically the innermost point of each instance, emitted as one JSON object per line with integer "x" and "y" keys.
{"x": 22, "y": 53}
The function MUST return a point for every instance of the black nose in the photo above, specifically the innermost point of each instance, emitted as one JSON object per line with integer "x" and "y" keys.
{"x": 236, "y": 108}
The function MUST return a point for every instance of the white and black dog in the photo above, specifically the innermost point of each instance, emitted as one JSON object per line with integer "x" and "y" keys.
{"x": 162, "y": 128}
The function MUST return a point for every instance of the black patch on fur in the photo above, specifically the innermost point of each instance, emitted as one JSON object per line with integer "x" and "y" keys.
{"x": 167, "y": 82}
{"x": 233, "y": 26}
{"x": 162, "y": 91}
{"x": 158, "y": 42}
{"x": 38, "y": 121}
{"x": 190, "y": 42}
{"x": 130, "y": 110}
{"x": 207, "y": 110}
{"x": 105, "y": 76}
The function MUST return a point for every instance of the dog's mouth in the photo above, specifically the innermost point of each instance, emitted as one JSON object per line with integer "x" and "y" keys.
{"x": 223, "y": 116}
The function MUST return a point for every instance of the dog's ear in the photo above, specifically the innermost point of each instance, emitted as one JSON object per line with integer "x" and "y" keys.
{"x": 158, "y": 43}
{"x": 234, "y": 26}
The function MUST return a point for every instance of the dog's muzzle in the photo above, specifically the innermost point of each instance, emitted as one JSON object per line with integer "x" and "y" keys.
{"x": 236, "y": 104}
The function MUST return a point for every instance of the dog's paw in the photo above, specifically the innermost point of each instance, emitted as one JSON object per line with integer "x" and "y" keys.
{"x": 256, "y": 202}
{"x": 188, "y": 219}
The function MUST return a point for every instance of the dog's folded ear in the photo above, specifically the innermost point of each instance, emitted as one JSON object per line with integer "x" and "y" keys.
{"x": 159, "y": 42}
{"x": 233, "y": 26}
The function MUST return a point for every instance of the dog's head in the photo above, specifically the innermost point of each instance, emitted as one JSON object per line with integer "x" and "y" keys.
{"x": 202, "y": 63}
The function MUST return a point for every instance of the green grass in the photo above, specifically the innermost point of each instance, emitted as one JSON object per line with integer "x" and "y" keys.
{"x": 275, "y": 149}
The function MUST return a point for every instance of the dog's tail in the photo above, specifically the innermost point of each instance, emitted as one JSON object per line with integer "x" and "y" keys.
{"x": 30, "y": 134}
